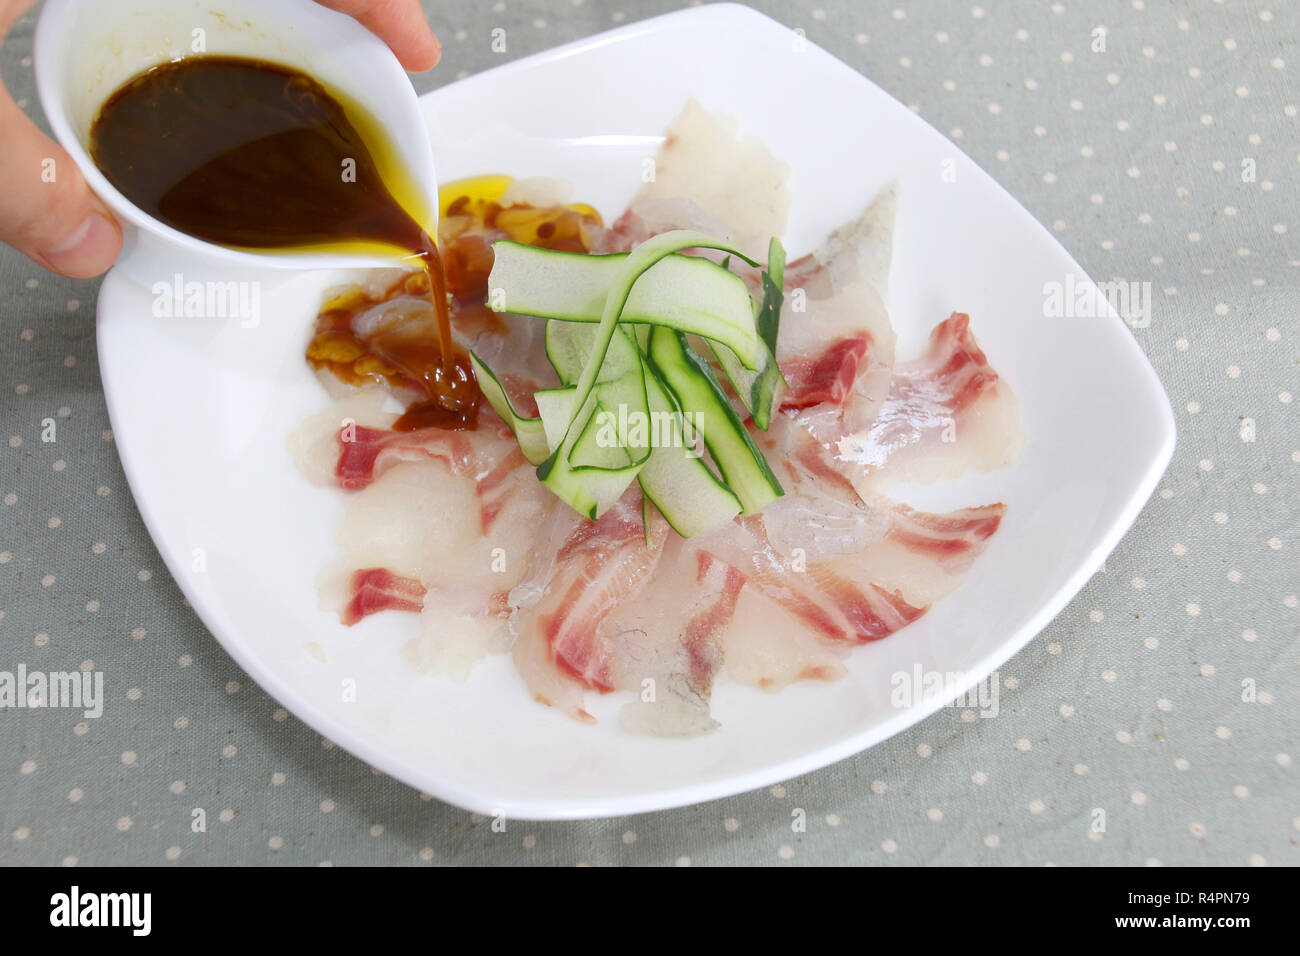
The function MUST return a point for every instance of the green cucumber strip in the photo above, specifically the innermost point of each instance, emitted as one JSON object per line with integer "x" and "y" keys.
{"x": 617, "y": 339}
{"x": 678, "y": 482}
{"x": 595, "y": 448}
{"x": 769, "y": 313}
{"x": 687, "y": 293}
{"x": 569, "y": 343}
{"x": 638, "y": 262}
{"x": 528, "y": 431}
{"x": 645, "y": 519}
{"x": 605, "y": 440}
{"x": 555, "y": 410}
{"x": 691, "y": 380}
{"x": 589, "y": 491}
{"x": 757, "y": 389}
{"x": 620, "y": 386}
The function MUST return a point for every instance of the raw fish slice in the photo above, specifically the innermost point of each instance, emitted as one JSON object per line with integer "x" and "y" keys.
{"x": 924, "y": 556}
{"x": 826, "y": 518}
{"x": 820, "y": 513}
{"x": 769, "y": 647}
{"x": 423, "y": 522}
{"x": 733, "y": 181}
{"x": 314, "y": 445}
{"x": 561, "y": 646}
{"x": 947, "y": 412}
{"x": 450, "y": 644}
{"x": 378, "y": 589}
{"x": 649, "y": 217}
{"x": 666, "y": 644}
{"x": 514, "y": 348}
{"x": 832, "y": 605}
{"x": 488, "y": 456}
{"x": 836, "y": 343}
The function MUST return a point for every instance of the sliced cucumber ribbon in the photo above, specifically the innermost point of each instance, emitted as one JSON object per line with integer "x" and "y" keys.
{"x": 617, "y": 340}
{"x": 687, "y": 293}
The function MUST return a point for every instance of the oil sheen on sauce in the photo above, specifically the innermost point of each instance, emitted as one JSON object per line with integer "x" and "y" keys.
{"x": 258, "y": 156}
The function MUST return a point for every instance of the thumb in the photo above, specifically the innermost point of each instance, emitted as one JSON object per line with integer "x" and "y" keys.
{"x": 48, "y": 212}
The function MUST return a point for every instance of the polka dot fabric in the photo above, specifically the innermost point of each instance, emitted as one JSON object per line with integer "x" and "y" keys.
{"x": 1154, "y": 722}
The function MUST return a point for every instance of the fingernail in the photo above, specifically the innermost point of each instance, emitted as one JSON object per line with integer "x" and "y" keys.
{"x": 88, "y": 250}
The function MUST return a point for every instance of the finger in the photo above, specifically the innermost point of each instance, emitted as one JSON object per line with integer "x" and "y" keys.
{"x": 46, "y": 210}
{"x": 399, "y": 23}
{"x": 10, "y": 13}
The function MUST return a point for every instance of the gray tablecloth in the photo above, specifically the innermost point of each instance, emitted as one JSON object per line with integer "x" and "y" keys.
{"x": 1158, "y": 702}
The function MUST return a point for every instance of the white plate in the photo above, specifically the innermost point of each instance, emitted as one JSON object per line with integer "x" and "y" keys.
{"x": 202, "y": 408}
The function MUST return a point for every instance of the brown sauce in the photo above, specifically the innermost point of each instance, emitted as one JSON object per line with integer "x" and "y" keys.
{"x": 397, "y": 350}
{"x": 258, "y": 156}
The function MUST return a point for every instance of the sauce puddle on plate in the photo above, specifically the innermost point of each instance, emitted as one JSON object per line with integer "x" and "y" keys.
{"x": 261, "y": 157}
